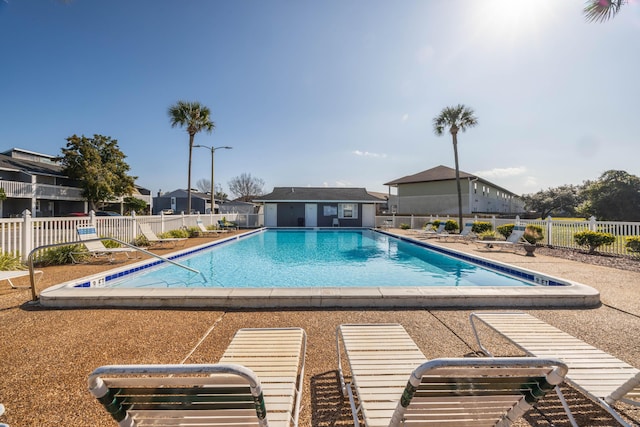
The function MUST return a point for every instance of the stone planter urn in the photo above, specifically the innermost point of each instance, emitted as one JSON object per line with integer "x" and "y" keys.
{"x": 529, "y": 248}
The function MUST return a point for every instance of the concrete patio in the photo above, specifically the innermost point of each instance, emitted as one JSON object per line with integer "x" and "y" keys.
{"x": 46, "y": 354}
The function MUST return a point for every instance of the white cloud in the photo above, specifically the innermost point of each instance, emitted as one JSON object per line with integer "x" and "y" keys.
{"x": 368, "y": 154}
{"x": 501, "y": 172}
{"x": 405, "y": 117}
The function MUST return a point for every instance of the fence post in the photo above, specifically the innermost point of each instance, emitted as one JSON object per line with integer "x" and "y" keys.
{"x": 411, "y": 221}
{"x": 162, "y": 221}
{"x": 134, "y": 226}
{"x": 493, "y": 222}
{"x": 92, "y": 218}
{"x": 549, "y": 231}
{"x": 592, "y": 224}
{"x": 27, "y": 236}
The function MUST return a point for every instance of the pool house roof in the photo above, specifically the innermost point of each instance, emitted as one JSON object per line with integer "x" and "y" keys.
{"x": 318, "y": 194}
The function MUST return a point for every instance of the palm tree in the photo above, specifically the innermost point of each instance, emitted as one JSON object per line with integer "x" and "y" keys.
{"x": 602, "y": 10}
{"x": 195, "y": 118}
{"x": 457, "y": 118}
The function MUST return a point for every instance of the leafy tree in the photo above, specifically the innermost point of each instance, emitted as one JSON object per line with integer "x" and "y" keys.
{"x": 195, "y": 118}
{"x": 133, "y": 204}
{"x": 98, "y": 165}
{"x": 602, "y": 10}
{"x": 246, "y": 187}
{"x": 563, "y": 199}
{"x": 457, "y": 118}
{"x": 615, "y": 196}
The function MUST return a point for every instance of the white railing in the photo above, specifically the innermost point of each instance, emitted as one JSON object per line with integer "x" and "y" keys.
{"x": 557, "y": 233}
{"x": 48, "y": 191}
{"x": 19, "y": 236}
{"x": 16, "y": 188}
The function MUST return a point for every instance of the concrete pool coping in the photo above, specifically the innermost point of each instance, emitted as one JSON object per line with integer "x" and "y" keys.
{"x": 571, "y": 295}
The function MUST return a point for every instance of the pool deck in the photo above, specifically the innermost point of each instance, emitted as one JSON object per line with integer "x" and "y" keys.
{"x": 46, "y": 354}
{"x": 574, "y": 295}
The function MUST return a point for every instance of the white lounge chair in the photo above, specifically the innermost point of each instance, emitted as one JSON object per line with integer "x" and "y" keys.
{"x": 601, "y": 377}
{"x": 395, "y": 385}
{"x": 205, "y": 230}
{"x": 14, "y": 274}
{"x": 465, "y": 234}
{"x": 513, "y": 242}
{"x": 258, "y": 381}
{"x": 427, "y": 233}
{"x": 154, "y": 240}
{"x": 96, "y": 249}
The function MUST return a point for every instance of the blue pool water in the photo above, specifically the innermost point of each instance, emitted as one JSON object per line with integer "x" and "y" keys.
{"x": 319, "y": 258}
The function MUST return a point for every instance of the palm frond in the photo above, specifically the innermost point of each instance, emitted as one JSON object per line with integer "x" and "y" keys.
{"x": 459, "y": 117}
{"x": 602, "y": 10}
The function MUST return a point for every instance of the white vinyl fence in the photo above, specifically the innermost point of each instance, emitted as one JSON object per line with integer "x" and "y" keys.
{"x": 557, "y": 233}
{"x": 19, "y": 236}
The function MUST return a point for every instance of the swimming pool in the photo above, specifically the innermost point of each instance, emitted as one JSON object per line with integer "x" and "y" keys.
{"x": 319, "y": 258}
{"x": 249, "y": 270}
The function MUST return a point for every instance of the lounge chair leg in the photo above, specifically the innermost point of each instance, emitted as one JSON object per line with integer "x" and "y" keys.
{"x": 354, "y": 410}
{"x": 565, "y": 405}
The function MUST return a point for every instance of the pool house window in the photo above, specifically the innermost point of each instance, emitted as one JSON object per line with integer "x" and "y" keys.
{"x": 348, "y": 210}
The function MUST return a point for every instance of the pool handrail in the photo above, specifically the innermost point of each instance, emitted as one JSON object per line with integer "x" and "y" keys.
{"x": 34, "y": 295}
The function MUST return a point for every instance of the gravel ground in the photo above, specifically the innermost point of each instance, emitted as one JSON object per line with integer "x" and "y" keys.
{"x": 46, "y": 354}
{"x": 621, "y": 263}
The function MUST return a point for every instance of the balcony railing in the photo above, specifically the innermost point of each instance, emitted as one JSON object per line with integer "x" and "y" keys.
{"x": 42, "y": 191}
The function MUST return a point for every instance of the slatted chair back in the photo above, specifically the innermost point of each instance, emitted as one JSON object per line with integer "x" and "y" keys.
{"x": 476, "y": 392}
{"x": 180, "y": 395}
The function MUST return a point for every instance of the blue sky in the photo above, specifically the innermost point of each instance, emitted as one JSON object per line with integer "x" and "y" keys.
{"x": 328, "y": 93}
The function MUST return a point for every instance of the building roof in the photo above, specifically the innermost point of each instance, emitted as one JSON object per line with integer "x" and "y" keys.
{"x": 318, "y": 194}
{"x": 439, "y": 173}
{"x": 183, "y": 193}
{"x": 37, "y": 168}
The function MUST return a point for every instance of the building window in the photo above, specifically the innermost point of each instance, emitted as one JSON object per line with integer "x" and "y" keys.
{"x": 348, "y": 210}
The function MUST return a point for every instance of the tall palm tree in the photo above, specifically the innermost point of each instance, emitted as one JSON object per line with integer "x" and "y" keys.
{"x": 602, "y": 10}
{"x": 457, "y": 118}
{"x": 195, "y": 118}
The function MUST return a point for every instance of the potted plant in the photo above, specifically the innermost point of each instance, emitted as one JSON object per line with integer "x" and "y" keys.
{"x": 532, "y": 235}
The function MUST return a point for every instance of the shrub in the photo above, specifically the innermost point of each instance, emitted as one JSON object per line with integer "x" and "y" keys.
{"x": 490, "y": 235}
{"x": 533, "y": 234}
{"x": 593, "y": 239}
{"x": 140, "y": 241}
{"x": 174, "y": 233}
{"x": 194, "y": 231}
{"x": 451, "y": 225}
{"x": 633, "y": 244}
{"x": 505, "y": 230}
{"x": 10, "y": 262}
{"x": 480, "y": 227}
{"x": 62, "y": 255}
{"x": 110, "y": 243}
{"x": 404, "y": 226}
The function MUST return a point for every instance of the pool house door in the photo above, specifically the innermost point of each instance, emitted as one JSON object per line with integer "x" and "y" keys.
{"x": 369, "y": 215}
{"x": 271, "y": 215}
{"x": 311, "y": 215}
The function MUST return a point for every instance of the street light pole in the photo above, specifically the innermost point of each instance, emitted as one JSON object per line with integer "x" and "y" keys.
{"x": 213, "y": 187}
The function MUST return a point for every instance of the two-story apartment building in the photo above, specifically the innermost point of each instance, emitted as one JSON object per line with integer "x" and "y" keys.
{"x": 35, "y": 182}
{"x": 434, "y": 191}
